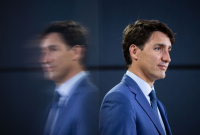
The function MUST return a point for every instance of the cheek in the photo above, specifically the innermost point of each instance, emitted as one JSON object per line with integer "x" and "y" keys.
{"x": 151, "y": 62}
{"x": 64, "y": 61}
{"x": 147, "y": 59}
{"x": 154, "y": 58}
{"x": 61, "y": 59}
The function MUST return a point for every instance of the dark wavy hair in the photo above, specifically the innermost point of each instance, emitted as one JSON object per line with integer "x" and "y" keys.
{"x": 72, "y": 32}
{"x": 139, "y": 33}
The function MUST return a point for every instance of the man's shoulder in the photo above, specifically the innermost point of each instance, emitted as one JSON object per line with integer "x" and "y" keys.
{"x": 87, "y": 85}
{"x": 86, "y": 91}
{"x": 120, "y": 92}
{"x": 117, "y": 103}
{"x": 119, "y": 88}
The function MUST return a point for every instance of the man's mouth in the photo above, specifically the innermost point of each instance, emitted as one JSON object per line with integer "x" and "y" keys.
{"x": 47, "y": 68}
{"x": 163, "y": 67}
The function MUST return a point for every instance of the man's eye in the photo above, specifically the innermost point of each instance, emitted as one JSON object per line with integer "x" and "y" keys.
{"x": 157, "y": 48}
{"x": 53, "y": 49}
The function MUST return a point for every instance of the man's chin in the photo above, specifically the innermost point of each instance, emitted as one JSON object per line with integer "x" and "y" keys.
{"x": 162, "y": 75}
{"x": 48, "y": 76}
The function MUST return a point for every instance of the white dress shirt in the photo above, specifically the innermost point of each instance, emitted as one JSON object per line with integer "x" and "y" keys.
{"x": 146, "y": 89}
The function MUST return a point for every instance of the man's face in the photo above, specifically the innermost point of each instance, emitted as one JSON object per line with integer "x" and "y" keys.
{"x": 154, "y": 59}
{"x": 57, "y": 57}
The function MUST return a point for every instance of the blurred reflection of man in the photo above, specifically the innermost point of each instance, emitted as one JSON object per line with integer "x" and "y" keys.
{"x": 131, "y": 107}
{"x": 73, "y": 108}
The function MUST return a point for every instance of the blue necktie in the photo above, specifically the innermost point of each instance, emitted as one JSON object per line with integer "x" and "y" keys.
{"x": 153, "y": 100}
{"x": 56, "y": 98}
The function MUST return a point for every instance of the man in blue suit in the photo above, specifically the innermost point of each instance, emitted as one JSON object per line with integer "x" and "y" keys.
{"x": 73, "y": 110}
{"x": 131, "y": 107}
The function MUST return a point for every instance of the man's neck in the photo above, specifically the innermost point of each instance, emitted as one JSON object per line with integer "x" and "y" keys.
{"x": 141, "y": 75}
{"x": 69, "y": 75}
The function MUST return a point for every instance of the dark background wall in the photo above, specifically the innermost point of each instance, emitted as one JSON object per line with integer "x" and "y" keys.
{"x": 24, "y": 93}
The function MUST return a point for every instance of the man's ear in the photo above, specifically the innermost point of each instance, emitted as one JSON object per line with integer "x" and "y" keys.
{"x": 134, "y": 50}
{"x": 78, "y": 52}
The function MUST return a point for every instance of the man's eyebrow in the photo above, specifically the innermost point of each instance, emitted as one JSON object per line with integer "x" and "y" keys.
{"x": 52, "y": 45}
{"x": 163, "y": 45}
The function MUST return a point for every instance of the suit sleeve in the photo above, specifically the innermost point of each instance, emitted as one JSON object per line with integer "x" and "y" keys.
{"x": 117, "y": 116}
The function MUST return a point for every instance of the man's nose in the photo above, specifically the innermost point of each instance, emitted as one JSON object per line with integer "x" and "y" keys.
{"x": 166, "y": 56}
{"x": 45, "y": 58}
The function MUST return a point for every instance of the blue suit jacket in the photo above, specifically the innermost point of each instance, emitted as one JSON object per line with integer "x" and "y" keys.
{"x": 80, "y": 115}
{"x": 126, "y": 111}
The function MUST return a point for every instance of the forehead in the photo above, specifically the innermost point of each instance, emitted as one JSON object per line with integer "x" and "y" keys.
{"x": 158, "y": 37}
{"x": 52, "y": 39}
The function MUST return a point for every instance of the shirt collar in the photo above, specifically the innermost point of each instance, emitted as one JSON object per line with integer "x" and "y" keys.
{"x": 65, "y": 88}
{"x": 144, "y": 86}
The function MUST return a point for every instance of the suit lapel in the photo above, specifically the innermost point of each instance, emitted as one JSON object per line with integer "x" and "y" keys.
{"x": 164, "y": 118}
{"x": 141, "y": 99}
